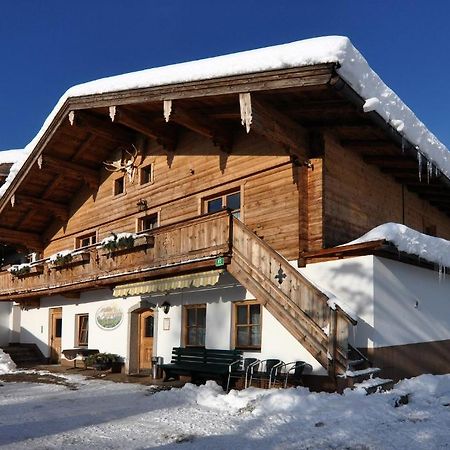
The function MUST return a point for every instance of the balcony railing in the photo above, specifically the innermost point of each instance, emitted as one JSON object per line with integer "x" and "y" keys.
{"x": 177, "y": 248}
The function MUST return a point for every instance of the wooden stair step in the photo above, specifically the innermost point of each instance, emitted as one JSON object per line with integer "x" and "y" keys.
{"x": 373, "y": 385}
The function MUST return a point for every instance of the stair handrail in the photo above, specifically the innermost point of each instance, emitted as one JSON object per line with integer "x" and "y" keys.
{"x": 336, "y": 312}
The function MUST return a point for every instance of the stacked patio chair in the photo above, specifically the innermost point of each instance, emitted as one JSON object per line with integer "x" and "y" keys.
{"x": 268, "y": 373}
{"x": 248, "y": 365}
{"x": 292, "y": 373}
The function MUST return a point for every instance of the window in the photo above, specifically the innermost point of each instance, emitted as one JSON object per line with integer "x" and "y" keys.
{"x": 82, "y": 327}
{"x": 231, "y": 200}
{"x": 146, "y": 174}
{"x": 149, "y": 326}
{"x": 248, "y": 326}
{"x": 148, "y": 222}
{"x": 119, "y": 186}
{"x": 86, "y": 240}
{"x": 195, "y": 325}
{"x": 58, "y": 327}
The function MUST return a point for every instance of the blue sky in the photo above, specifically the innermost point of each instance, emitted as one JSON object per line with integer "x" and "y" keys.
{"x": 48, "y": 46}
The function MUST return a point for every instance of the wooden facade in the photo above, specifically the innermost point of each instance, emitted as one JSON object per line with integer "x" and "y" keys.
{"x": 311, "y": 169}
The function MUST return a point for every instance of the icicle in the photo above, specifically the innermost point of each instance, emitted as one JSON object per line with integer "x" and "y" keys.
{"x": 436, "y": 171}
{"x": 112, "y": 113}
{"x": 167, "y": 109}
{"x": 419, "y": 160}
{"x": 440, "y": 272}
{"x": 429, "y": 171}
{"x": 71, "y": 117}
{"x": 403, "y": 144}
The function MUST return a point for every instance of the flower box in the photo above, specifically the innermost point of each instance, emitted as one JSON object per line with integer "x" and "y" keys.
{"x": 125, "y": 242}
{"x": 69, "y": 259}
{"x": 25, "y": 270}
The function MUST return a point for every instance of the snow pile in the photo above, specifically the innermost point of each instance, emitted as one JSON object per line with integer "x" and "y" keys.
{"x": 124, "y": 415}
{"x": 6, "y": 363}
{"x": 405, "y": 239}
{"x": 354, "y": 69}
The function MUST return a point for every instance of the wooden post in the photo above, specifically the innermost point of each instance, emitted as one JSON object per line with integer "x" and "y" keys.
{"x": 332, "y": 368}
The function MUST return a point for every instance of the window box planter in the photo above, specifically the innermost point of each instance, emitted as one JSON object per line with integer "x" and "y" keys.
{"x": 26, "y": 270}
{"x": 70, "y": 259}
{"x": 125, "y": 242}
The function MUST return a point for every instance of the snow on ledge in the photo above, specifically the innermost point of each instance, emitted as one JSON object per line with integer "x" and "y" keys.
{"x": 354, "y": 69}
{"x": 405, "y": 239}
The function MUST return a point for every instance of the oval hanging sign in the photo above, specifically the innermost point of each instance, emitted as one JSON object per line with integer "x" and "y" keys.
{"x": 109, "y": 317}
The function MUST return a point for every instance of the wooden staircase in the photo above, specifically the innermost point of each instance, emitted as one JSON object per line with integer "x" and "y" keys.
{"x": 299, "y": 305}
{"x": 24, "y": 355}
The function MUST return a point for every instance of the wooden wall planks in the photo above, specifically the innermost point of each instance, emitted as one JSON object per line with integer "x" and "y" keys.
{"x": 197, "y": 170}
{"x": 358, "y": 197}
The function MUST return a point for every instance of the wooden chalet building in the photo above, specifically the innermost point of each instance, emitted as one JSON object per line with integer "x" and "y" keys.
{"x": 191, "y": 206}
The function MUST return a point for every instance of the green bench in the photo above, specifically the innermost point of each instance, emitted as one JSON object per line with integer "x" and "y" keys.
{"x": 202, "y": 363}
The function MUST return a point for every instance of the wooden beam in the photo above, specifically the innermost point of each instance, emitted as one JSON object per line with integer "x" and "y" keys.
{"x": 88, "y": 142}
{"x": 30, "y": 240}
{"x": 165, "y": 137}
{"x": 57, "y": 209}
{"x": 198, "y": 124}
{"x": 104, "y": 128}
{"x": 402, "y": 171}
{"x": 315, "y": 77}
{"x": 275, "y": 126}
{"x": 72, "y": 170}
{"x": 390, "y": 161}
{"x": 367, "y": 144}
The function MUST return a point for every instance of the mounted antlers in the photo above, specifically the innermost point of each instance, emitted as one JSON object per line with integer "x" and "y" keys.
{"x": 123, "y": 162}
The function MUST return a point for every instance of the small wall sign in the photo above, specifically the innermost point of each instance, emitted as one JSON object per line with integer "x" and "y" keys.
{"x": 109, "y": 317}
{"x": 220, "y": 261}
{"x": 166, "y": 324}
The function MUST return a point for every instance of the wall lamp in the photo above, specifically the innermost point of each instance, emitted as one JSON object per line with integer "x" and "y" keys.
{"x": 166, "y": 307}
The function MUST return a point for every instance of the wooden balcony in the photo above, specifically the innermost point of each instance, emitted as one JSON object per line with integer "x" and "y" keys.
{"x": 173, "y": 249}
{"x": 199, "y": 244}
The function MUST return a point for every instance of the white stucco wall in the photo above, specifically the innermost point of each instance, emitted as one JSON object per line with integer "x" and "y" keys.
{"x": 276, "y": 341}
{"x": 5, "y": 325}
{"x": 352, "y": 281}
{"x": 35, "y": 322}
{"x": 411, "y": 304}
{"x": 397, "y": 303}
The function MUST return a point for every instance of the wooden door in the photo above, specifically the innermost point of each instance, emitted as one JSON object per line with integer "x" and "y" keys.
{"x": 55, "y": 334}
{"x": 146, "y": 331}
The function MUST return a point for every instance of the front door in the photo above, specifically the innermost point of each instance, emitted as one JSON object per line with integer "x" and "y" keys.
{"x": 146, "y": 328}
{"x": 55, "y": 334}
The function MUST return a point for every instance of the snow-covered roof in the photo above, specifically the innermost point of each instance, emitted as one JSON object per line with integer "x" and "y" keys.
{"x": 354, "y": 69}
{"x": 12, "y": 156}
{"x": 429, "y": 248}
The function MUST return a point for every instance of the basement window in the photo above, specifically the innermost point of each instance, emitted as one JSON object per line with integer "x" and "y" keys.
{"x": 82, "y": 327}
{"x": 119, "y": 186}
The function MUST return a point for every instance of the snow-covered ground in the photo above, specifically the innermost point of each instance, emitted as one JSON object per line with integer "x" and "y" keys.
{"x": 103, "y": 414}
